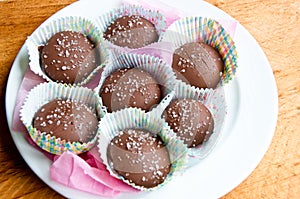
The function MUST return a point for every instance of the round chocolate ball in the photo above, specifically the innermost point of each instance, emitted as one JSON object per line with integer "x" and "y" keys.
{"x": 68, "y": 120}
{"x": 69, "y": 57}
{"x": 198, "y": 64}
{"x": 190, "y": 120}
{"x": 131, "y": 31}
{"x": 130, "y": 88}
{"x": 140, "y": 157}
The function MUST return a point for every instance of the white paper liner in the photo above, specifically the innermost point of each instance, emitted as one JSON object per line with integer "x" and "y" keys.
{"x": 133, "y": 118}
{"x": 154, "y": 17}
{"x": 209, "y": 31}
{"x": 79, "y": 24}
{"x": 214, "y": 100}
{"x": 161, "y": 50}
{"x": 159, "y": 109}
{"x": 46, "y": 92}
{"x": 156, "y": 67}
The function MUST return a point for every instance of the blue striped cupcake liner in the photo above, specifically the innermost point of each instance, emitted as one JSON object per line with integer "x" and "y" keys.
{"x": 209, "y": 31}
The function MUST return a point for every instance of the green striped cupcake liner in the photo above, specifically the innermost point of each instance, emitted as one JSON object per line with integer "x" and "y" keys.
{"x": 69, "y": 23}
{"x": 209, "y": 31}
{"x": 46, "y": 92}
{"x": 133, "y": 118}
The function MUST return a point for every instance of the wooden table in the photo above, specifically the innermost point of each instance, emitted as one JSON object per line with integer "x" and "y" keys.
{"x": 276, "y": 26}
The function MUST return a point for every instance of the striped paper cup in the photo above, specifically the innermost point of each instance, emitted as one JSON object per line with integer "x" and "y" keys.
{"x": 46, "y": 92}
{"x": 210, "y": 32}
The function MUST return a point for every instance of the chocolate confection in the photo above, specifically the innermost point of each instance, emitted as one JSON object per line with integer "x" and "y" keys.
{"x": 130, "y": 88}
{"x": 68, "y": 57}
{"x": 140, "y": 157}
{"x": 190, "y": 120}
{"x": 131, "y": 31}
{"x": 198, "y": 64}
{"x": 67, "y": 120}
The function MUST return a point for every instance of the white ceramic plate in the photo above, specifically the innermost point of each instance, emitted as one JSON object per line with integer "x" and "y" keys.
{"x": 247, "y": 133}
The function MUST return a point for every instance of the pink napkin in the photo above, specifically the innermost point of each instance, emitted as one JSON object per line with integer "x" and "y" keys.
{"x": 87, "y": 168}
{"x": 162, "y": 50}
{"x": 29, "y": 81}
{"x": 75, "y": 172}
{"x": 87, "y": 171}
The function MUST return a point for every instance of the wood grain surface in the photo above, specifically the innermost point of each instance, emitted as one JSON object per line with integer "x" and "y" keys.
{"x": 275, "y": 24}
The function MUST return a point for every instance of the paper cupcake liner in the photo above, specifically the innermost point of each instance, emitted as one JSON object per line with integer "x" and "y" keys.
{"x": 46, "y": 31}
{"x": 130, "y": 118}
{"x": 160, "y": 108}
{"x": 154, "y": 17}
{"x": 159, "y": 70}
{"x": 46, "y": 92}
{"x": 161, "y": 50}
{"x": 209, "y": 31}
{"x": 214, "y": 100}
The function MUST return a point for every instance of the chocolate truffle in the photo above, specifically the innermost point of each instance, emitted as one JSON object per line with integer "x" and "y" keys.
{"x": 68, "y": 120}
{"x": 198, "y": 64}
{"x": 68, "y": 57}
{"x": 131, "y": 31}
{"x": 140, "y": 157}
{"x": 190, "y": 120}
{"x": 130, "y": 88}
